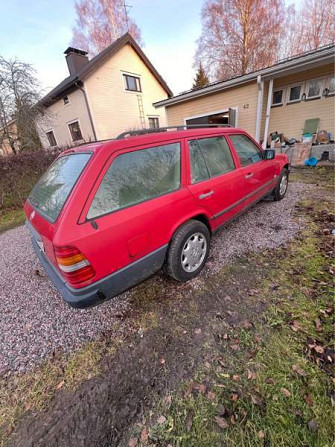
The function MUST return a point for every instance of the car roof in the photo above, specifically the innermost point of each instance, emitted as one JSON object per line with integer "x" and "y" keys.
{"x": 113, "y": 145}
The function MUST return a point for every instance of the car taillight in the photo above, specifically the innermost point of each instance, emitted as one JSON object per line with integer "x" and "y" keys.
{"x": 73, "y": 265}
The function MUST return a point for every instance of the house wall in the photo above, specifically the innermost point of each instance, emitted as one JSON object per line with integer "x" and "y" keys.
{"x": 244, "y": 98}
{"x": 58, "y": 116}
{"x": 114, "y": 109}
{"x": 290, "y": 118}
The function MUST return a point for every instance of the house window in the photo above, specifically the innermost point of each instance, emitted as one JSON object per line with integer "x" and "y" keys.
{"x": 277, "y": 98}
{"x": 75, "y": 131}
{"x": 153, "y": 123}
{"x": 66, "y": 100}
{"x": 331, "y": 87}
{"x": 295, "y": 93}
{"x": 132, "y": 83}
{"x": 51, "y": 138}
{"x": 314, "y": 89}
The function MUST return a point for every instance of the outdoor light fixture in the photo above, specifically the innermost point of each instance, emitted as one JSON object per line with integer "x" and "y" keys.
{"x": 326, "y": 92}
{"x": 303, "y": 98}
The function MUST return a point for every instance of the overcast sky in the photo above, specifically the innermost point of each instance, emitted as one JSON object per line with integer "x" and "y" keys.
{"x": 38, "y": 32}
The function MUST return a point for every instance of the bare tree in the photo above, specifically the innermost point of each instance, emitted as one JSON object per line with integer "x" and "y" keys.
{"x": 239, "y": 36}
{"x": 315, "y": 27}
{"x": 18, "y": 105}
{"x": 100, "y": 23}
{"x": 291, "y": 40}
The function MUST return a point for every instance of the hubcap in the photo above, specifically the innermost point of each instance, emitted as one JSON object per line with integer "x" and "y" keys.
{"x": 283, "y": 185}
{"x": 194, "y": 252}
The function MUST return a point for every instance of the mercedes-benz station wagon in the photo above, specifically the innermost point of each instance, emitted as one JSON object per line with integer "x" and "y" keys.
{"x": 109, "y": 214}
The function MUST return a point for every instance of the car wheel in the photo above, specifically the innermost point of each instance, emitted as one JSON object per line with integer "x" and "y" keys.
{"x": 188, "y": 251}
{"x": 281, "y": 188}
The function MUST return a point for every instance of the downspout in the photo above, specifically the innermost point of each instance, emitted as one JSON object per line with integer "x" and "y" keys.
{"x": 88, "y": 109}
{"x": 260, "y": 85}
{"x": 268, "y": 112}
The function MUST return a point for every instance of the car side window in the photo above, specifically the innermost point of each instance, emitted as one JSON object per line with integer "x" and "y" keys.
{"x": 137, "y": 176}
{"x": 210, "y": 157}
{"x": 247, "y": 151}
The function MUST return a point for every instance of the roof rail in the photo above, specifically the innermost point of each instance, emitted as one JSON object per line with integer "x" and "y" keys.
{"x": 131, "y": 133}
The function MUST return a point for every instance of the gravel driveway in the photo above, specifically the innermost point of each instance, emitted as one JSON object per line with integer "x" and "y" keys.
{"x": 35, "y": 322}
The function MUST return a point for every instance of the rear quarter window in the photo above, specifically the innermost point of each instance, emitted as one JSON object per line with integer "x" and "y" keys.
{"x": 135, "y": 177}
{"x": 52, "y": 190}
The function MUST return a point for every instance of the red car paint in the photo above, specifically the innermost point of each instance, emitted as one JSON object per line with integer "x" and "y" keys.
{"x": 131, "y": 233}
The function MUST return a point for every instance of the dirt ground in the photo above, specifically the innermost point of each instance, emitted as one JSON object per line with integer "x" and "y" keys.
{"x": 179, "y": 333}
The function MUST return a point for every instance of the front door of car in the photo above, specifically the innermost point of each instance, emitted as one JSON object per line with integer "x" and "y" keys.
{"x": 214, "y": 180}
{"x": 258, "y": 174}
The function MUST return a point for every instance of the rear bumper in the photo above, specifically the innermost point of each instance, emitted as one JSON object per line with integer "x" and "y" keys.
{"x": 108, "y": 287}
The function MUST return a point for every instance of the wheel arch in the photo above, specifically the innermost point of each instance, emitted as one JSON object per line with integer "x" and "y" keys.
{"x": 201, "y": 217}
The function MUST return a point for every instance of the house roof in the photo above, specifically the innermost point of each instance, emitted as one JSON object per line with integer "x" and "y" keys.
{"x": 72, "y": 81}
{"x": 284, "y": 67}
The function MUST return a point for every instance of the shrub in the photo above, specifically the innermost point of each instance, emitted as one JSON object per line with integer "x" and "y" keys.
{"x": 19, "y": 173}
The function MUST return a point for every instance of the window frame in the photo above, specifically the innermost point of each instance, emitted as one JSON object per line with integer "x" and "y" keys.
{"x": 54, "y": 137}
{"x": 322, "y": 81}
{"x": 327, "y": 85}
{"x": 210, "y": 177}
{"x": 83, "y": 216}
{"x": 73, "y": 122}
{"x": 68, "y": 100}
{"x": 126, "y": 85}
{"x": 235, "y": 151}
{"x": 153, "y": 118}
{"x": 282, "y": 89}
{"x": 293, "y": 101}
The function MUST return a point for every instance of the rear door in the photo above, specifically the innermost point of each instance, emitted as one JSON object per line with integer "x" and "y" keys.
{"x": 214, "y": 180}
{"x": 259, "y": 175}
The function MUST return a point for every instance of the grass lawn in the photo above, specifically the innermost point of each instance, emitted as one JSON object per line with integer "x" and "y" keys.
{"x": 11, "y": 218}
{"x": 278, "y": 389}
{"x": 277, "y": 386}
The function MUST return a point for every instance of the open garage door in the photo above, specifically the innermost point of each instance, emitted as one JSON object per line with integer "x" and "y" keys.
{"x": 226, "y": 117}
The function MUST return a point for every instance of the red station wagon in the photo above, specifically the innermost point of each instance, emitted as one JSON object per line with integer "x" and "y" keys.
{"x": 109, "y": 214}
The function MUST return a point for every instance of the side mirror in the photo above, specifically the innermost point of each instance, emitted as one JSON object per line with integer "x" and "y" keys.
{"x": 269, "y": 154}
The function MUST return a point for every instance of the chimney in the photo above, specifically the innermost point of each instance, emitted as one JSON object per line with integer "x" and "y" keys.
{"x": 76, "y": 59}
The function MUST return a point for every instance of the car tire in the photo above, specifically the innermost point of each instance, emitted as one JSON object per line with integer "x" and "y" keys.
{"x": 188, "y": 251}
{"x": 281, "y": 188}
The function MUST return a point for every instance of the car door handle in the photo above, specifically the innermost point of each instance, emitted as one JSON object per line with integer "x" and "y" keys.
{"x": 250, "y": 174}
{"x": 206, "y": 194}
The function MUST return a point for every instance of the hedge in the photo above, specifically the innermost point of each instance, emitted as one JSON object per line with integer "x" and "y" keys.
{"x": 19, "y": 173}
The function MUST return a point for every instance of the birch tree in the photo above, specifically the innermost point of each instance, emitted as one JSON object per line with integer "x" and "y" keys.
{"x": 239, "y": 36}
{"x": 101, "y": 22}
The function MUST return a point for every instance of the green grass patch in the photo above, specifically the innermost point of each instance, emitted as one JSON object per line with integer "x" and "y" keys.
{"x": 10, "y": 219}
{"x": 319, "y": 175}
{"x": 273, "y": 392}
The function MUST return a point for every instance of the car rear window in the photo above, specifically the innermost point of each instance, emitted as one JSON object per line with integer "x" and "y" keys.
{"x": 54, "y": 187}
